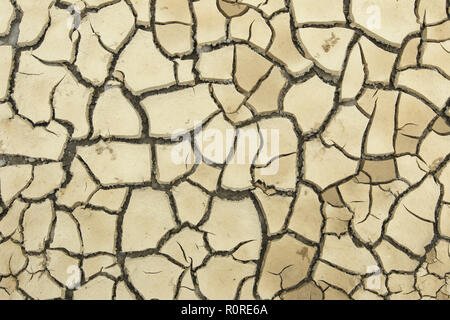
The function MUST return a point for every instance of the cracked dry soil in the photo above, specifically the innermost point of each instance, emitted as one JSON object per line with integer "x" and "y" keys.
{"x": 93, "y": 207}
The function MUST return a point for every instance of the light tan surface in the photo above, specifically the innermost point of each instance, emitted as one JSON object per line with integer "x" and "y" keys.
{"x": 229, "y": 149}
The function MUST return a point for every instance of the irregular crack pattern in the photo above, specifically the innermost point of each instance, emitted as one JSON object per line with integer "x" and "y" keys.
{"x": 229, "y": 149}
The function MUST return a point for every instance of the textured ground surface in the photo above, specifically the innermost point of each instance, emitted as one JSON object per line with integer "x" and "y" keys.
{"x": 350, "y": 99}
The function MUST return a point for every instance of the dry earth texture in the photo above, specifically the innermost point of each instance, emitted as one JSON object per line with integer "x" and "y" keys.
{"x": 93, "y": 205}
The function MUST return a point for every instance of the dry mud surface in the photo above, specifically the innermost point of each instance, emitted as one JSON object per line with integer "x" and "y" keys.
{"x": 350, "y": 99}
